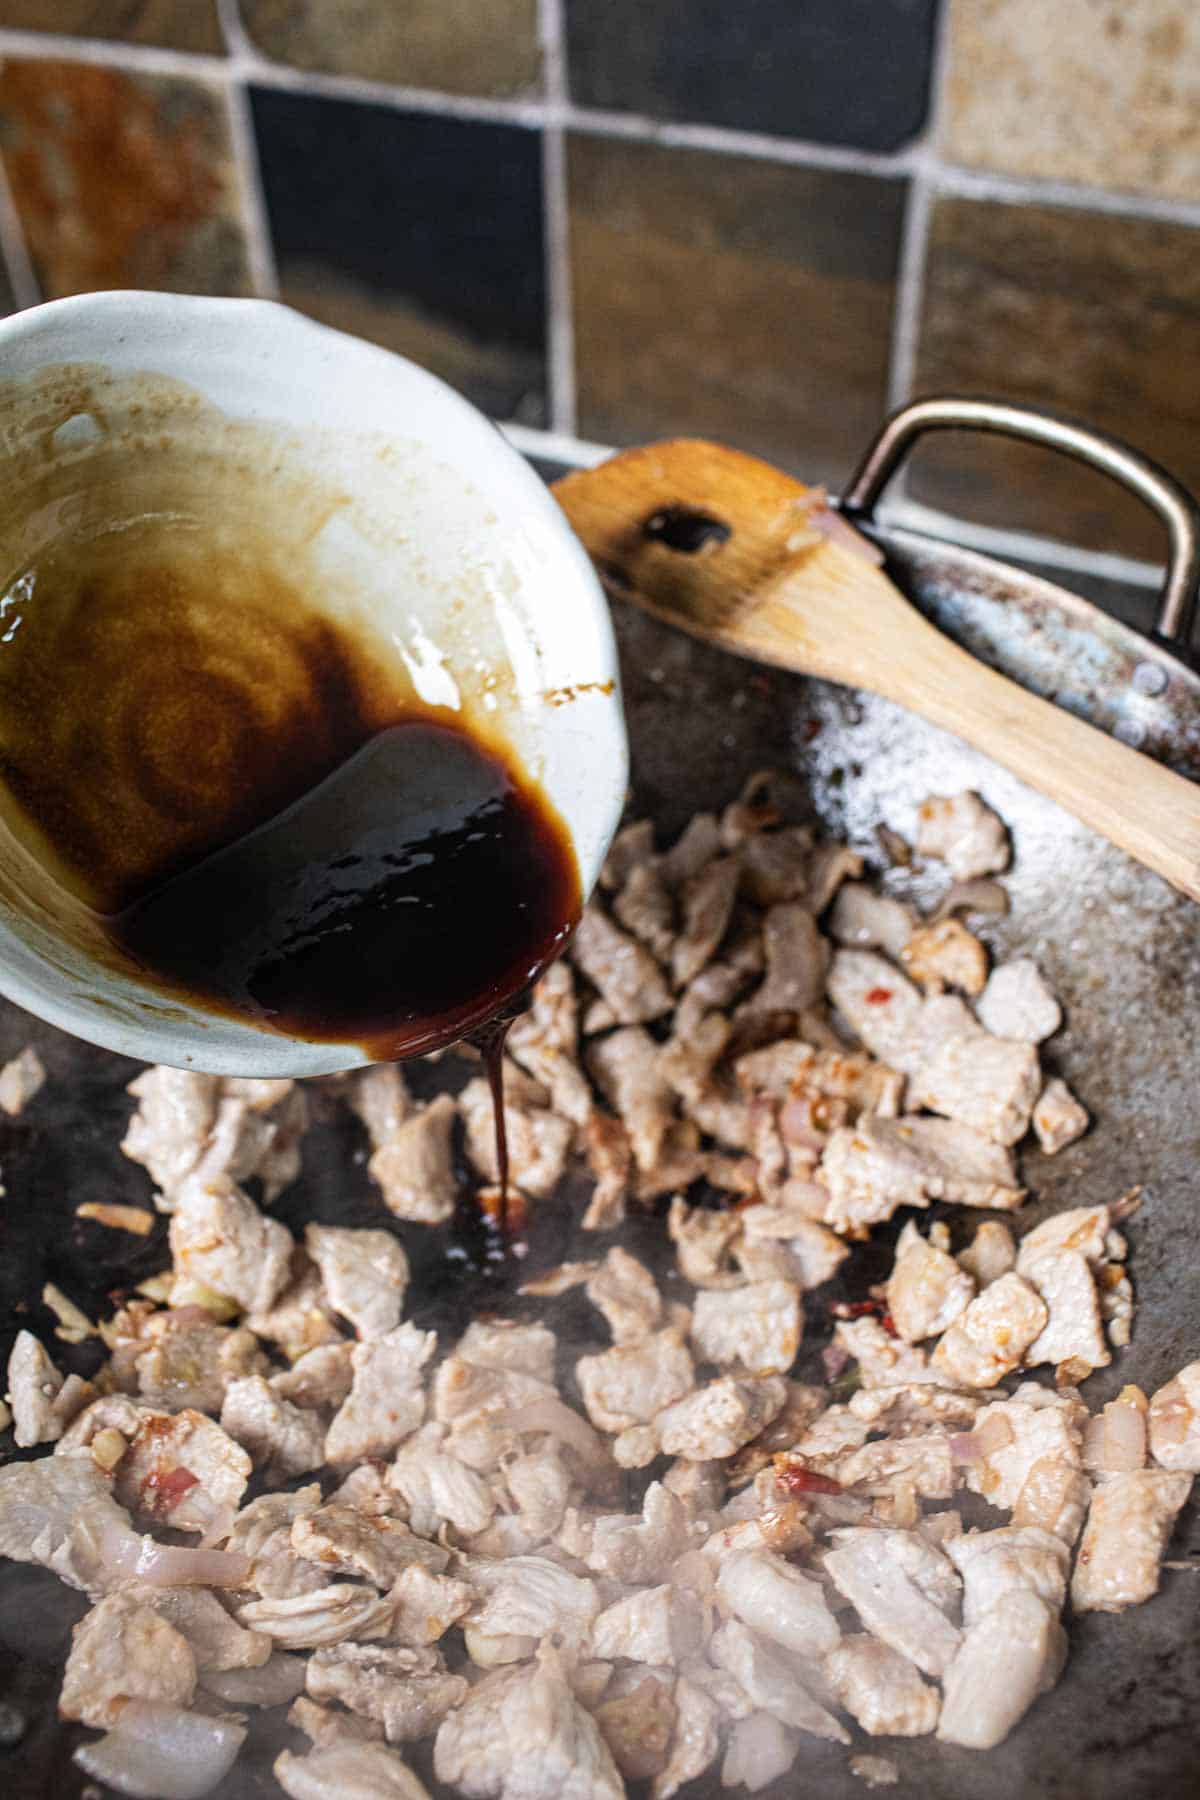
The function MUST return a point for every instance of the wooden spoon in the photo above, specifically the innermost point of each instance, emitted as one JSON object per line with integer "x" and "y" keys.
{"x": 738, "y": 553}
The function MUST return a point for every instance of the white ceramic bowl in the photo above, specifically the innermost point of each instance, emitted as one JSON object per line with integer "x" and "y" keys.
{"x": 418, "y": 511}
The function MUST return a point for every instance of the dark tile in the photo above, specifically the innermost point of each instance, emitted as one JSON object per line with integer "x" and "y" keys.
{"x": 838, "y": 71}
{"x": 422, "y": 233}
{"x": 177, "y": 24}
{"x": 732, "y": 298}
{"x": 457, "y": 46}
{"x": 121, "y": 180}
{"x": 1096, "y": 315}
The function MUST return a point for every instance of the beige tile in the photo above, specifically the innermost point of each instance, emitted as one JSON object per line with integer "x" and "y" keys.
{"x": 731, "y": 298}
{"x": 1094, "y": 314}
{"x": 458, "y": 46}
{"x": 1105, "y": 92}
{"x": 175, "y": 24}
{"x": 121, "y": 180}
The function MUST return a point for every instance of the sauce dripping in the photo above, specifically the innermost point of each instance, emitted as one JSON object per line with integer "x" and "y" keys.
{"x": 259, "y": 812}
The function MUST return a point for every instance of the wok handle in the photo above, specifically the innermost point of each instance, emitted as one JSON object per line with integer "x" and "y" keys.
{"x": 1166, "y": 496}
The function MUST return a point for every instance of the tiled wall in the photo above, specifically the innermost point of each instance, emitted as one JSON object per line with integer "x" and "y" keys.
{"x": 765, "y": 221}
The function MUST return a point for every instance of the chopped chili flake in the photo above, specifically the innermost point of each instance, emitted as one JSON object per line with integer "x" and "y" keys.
{"x": 878, "y": 996}
{"x": 163, "y": 1489}
{"x": 855, "y": 1309}
{"x": 798, "y": 1480}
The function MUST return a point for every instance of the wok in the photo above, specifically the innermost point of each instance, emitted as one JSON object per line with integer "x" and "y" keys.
{"x": 1117, "y": 944}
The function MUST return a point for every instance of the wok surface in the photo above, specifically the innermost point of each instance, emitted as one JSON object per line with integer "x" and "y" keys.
{"x": 1121, "y": 949}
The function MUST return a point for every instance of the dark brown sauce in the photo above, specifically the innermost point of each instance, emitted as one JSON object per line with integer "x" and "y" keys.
{"x": 266, "y": 819}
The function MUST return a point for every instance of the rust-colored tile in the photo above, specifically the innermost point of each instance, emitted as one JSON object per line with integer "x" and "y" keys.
{"x": 1093, "y": 314}
{"x": 121, "y": 180}
{"x": 175, "y": 24}
{"x": 457, "y": 46}
{"x": 1099, "y": 91}
{"x": 731, "y": 298}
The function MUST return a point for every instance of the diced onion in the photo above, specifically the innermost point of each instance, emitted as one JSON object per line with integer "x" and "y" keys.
{"x": 171, "y": 1565}
{"x": 275, "y": 1683}
{"x": 158, "y": 1752}
{"x": 558, "y": 1420}
{"x": 972, "y": 897}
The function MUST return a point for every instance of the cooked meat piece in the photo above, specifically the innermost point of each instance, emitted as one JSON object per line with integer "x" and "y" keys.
{"x": 544, "y": 1041}
{"x": 532, "y": 1597}
{"x": 899, "y": 1408}
{"x": 1129, "y": 1525}
{"x": 414, "y": 1167}
{"x": 816, "y": 1252}
{"x": 180, "y": 1468}
{"x": 1015, "y": 1435}
{"x": 927, "y": 1290}
{"x": 1174, "y": 1422}
{"x": 632, "y": 1383}
{"x": 688, "y": 1058}
{"x": 1054, "y": 1497}
{"x": 880, "y": 1689}
{"x": 756, "y": 1328}
{"x": 408, "y": 1692}
{"x": 365, "y": 1274}
{"x": 989, "y": 1340}
{"x": 123, "y": 1651}
{"x": 320, "y": 1377}
{"x": 58, "y": 1512}
{"x": 707, "y": 906}
{"x": 697, "y": 844}
{"x": 347, "y": 1772}
{"x": 923, "y": 1465}
{"x": 328, "y": 1615}
{"x": 637, "y": 1723}
{"x": 660, "y": 1626}
{"x": 598, "y": 1016}
{"x": 760, "y": 1750}
{"x": 1074, "y": 1332}
{"x": 300, "y": 1320}
{"x": 720, "y": 984}
{"x": 343, "y": 1541}
{"x": 42, "y": 1406}
{"x": 521, "y": 1734}
{"x": 327, "y": 1725}
{"x": 626, "y": 1293}
{"x": 963, "y": 833}
{"x": 778, "y": 1070}
{"x": 609, "y": 1156}
{"x": 189, "y": 1361}
{"x": 217, "y": 1642}
{"x": 797, "y": 957}
{"x": 427, "y": 1605}
{"x": 881, "y": 1006}
{"x": 1018, "y": 1004}
{"x": 540, "y": 1487}
{"x": 681, "y": 1162}
{"x": 946, "y": 955}
{"x": 831, "y": 865}
{"x": 995, "y": 1563}
{"x": 703, "y": 1241}
{"x": 437, "y": 1488}
{"x": 990, "y": 1254}
{"x": 777, "y": 1601}
{"x": 20, "y": 1080}
{"x": 879, "y": 1164}
{"x": 283, "y": 1440}
{"x": 167, "y": 1133}
{"x": 623, "y": 970}
{"x": 719, "y": 1418}
{"x": 864, "y": 920}
{"x": 723, "y": 1115}
{"x": 1082, "y": 1228}
{"x": 632, "y": 845}
{"x": 988, "y": 1083}
{"x": 506, "y": 1344}
{"x": 538, "y": 1141}
{"x": 625, "y": 1066}
{"x": 1058, "y": 1118}
{"x": 263, "y": 1532}
{"x": 770, "y": 1682}
{"x": 464, "y": 1390}
{"x": 220, "y": 1239}
{"x": 696, "y": 1741}
{"x": 883, "y": 1360}
{"x": 256, "y": 1133}
{"x": 776, "y": 865}
{"x": 1008, "y": 1657}
{"x": 903, "y": 1590}
{"x": 387, "y": 1397}
{"x": 380, "y": 1097}
{"x": 640, "y": 1548}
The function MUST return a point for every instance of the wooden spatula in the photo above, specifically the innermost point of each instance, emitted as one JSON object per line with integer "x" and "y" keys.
{"x": 738, "y": 553}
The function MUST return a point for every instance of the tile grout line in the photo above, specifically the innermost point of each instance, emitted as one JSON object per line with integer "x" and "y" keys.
{"x": 255, "y": 223}
{"x": 22, "y": 279}
{"x": 556, "y": 227}
{"x": 950, "y": 177}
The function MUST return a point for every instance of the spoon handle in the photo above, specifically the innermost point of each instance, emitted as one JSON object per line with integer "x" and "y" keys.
{"x": 738, "y": 553}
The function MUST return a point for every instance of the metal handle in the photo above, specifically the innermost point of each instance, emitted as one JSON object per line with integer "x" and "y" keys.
{"x": 1174, "y": 505}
